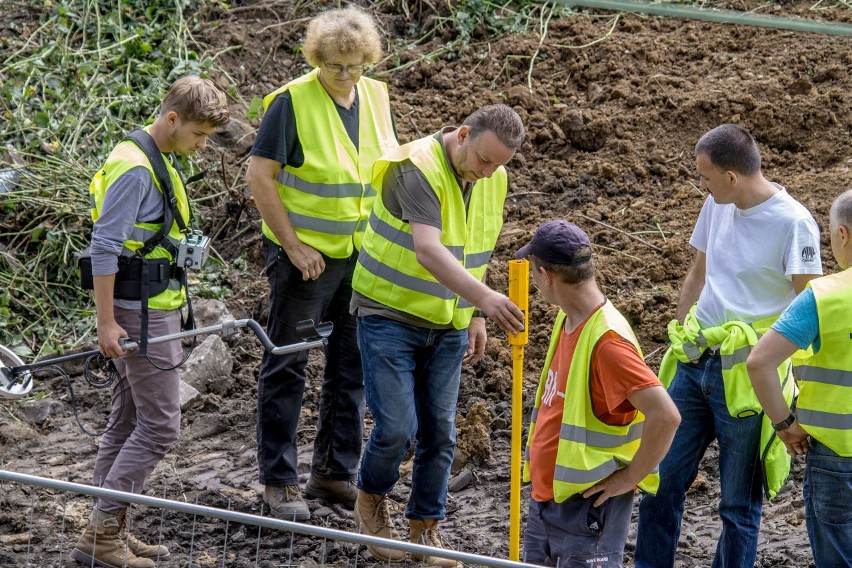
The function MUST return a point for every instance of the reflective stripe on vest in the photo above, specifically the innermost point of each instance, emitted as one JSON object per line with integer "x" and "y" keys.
{"x": 329, "y": 197}
{"x": 824, "y": 407}
{"x": 387, "y": 269}
{"x": 589, "y": 450}
{"x": 124, "y": 157}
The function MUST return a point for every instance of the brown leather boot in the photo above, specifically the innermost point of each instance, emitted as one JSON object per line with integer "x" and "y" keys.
{"x": 286, "y": 502}
{"x": 136, "y": 546}
{"x": 425, "y": 532}
{"x": 372, "y": 517}
{"x": 101, "y": 545}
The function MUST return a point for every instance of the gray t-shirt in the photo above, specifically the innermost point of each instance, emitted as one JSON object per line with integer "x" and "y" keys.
{"x": 132, "y": 198}
{"x": 407, "y": 195}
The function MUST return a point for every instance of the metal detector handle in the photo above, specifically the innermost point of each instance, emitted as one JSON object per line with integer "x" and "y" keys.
{"x": 312, "y": 335}
{"x": 16, "y": 381}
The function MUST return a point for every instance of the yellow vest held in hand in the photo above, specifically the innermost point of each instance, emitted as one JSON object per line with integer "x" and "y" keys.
{"x": 735, "y": 340}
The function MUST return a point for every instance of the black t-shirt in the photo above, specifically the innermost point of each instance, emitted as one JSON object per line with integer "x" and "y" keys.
{"x": 277, "y": 138}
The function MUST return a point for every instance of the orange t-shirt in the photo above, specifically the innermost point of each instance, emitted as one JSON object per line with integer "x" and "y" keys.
{"x": 616, "y": 370}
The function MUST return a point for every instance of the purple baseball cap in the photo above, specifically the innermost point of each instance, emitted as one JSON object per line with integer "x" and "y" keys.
{"x": 557, "y": 242}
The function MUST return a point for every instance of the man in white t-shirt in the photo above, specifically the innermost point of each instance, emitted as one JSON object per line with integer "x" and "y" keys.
{"x": 756, "y": 248}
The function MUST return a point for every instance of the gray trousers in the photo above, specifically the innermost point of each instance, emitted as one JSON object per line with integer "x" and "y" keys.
{"x": 574, "y": 534}
{"x": 148, "y": 424}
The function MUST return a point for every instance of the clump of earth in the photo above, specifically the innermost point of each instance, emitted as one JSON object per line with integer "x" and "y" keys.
{"x": 611, "y": 122}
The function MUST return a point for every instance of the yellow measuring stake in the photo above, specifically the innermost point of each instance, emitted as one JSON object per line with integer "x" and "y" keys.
{"x": 519, "y": 293}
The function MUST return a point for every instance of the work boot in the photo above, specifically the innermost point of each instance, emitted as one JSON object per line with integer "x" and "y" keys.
{"x": 286, "y": 502}
{"x": 332, "y": 490}
{"x": 372, "y": 517}
{"x": 136, "y": 546}
{"x": 101, "y": 544}
{"x": 425, "y": 532}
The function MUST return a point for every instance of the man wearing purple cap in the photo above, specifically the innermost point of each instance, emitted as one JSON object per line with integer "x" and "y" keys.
{"x": 602, "y": 420}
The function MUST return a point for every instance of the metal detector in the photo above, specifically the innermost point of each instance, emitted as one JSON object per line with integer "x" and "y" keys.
{"x": 16, "y": 378}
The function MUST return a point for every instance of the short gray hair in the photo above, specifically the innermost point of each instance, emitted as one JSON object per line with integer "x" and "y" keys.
{"x": 841, "y": 209}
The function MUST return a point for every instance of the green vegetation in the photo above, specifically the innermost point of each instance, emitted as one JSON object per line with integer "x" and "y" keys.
{"x": 86, "y": 74}
{"x": 77, "y": 76}
{"x": 473, "y": 23}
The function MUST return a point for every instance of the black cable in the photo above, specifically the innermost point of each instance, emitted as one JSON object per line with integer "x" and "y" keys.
{"x": 111, "y": 375}
{"x": 190, "y": 325}
{"x": 179, "y": 363}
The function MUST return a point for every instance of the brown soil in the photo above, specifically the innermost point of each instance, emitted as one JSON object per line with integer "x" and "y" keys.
{"x": 611, "y": 129}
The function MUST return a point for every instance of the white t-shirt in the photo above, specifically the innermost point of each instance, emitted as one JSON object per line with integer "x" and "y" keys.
{"x": 751, "y": 257}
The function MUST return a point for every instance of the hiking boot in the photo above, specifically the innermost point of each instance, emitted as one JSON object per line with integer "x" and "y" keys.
{"x": 372, "y": 517}
{"x": 332, "y": 490}
{"x": 425, "y": 532}
{"x": 136, "y": 546}
{"x": 101, "y": 544}
{"x": 286, "y": 502}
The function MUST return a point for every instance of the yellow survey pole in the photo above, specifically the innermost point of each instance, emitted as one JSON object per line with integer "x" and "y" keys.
{"x": 519, "y": 293}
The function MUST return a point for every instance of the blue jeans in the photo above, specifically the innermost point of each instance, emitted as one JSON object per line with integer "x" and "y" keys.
{"x": 828, "y": 506}
{"x": 574, "y": 534}
{"x": 699, "y": 393}
{"x": 281, "y": 382}
{"x": 411, "y": 380}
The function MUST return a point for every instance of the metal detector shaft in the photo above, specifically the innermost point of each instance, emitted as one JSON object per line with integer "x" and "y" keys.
{"x": 312, "y": 335}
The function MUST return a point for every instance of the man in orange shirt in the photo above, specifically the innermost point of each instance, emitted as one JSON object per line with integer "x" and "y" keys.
{"x": 602, "y": 420}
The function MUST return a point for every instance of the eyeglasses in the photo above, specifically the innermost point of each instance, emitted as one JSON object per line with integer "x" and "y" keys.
{"x": 337, "y": 69}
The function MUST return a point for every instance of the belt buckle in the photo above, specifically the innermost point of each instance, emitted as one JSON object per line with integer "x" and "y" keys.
{"x": 713, "y": 352}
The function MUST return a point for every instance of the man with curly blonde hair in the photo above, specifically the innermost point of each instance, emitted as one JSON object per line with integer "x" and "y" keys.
{"x": 310, "y": 177}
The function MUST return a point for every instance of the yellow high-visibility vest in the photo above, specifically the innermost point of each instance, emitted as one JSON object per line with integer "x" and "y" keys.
{"x": 124, "y": 157}
{"x": 387, "y": 269}
{"x": 589, "y": 450}
{"x": 824, "y": 407}
{"x": 329, "y": 197}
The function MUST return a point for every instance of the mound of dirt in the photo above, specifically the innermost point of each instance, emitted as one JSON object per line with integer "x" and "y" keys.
{"x": 613, "y": 110}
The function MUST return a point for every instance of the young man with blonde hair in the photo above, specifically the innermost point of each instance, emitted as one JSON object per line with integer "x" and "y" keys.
{"x": 820, "y": 424}
{"x": 310, "y": 177}
{"x": 128, "y": 212}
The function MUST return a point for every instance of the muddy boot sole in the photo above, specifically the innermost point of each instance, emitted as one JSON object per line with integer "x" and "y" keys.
{"x": 84, "y": 558}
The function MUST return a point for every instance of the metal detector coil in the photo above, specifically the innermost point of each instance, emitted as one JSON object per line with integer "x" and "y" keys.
{"x": 16, "y": 377}
{"x": 13, "y": 385}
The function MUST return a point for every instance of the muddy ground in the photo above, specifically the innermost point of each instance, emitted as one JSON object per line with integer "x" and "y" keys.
{"x": 614, "y": 110}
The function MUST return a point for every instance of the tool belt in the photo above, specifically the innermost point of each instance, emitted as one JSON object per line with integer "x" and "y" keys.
{"x": 128, "y": 279}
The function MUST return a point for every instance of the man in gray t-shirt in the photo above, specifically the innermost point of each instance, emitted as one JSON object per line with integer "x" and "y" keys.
{"x": 420, "y": 264}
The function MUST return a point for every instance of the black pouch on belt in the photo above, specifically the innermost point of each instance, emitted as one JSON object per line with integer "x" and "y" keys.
{"x": 128, "y": 281}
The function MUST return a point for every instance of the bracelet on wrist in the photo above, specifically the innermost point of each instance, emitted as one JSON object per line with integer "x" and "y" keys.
{"x": 479, "y": 314}
{"x": 784, "y": 424}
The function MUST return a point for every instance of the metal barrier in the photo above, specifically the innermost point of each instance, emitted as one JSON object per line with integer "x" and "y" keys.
{"x": 229, "y": 516}
{"x": 673, "y": 10}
